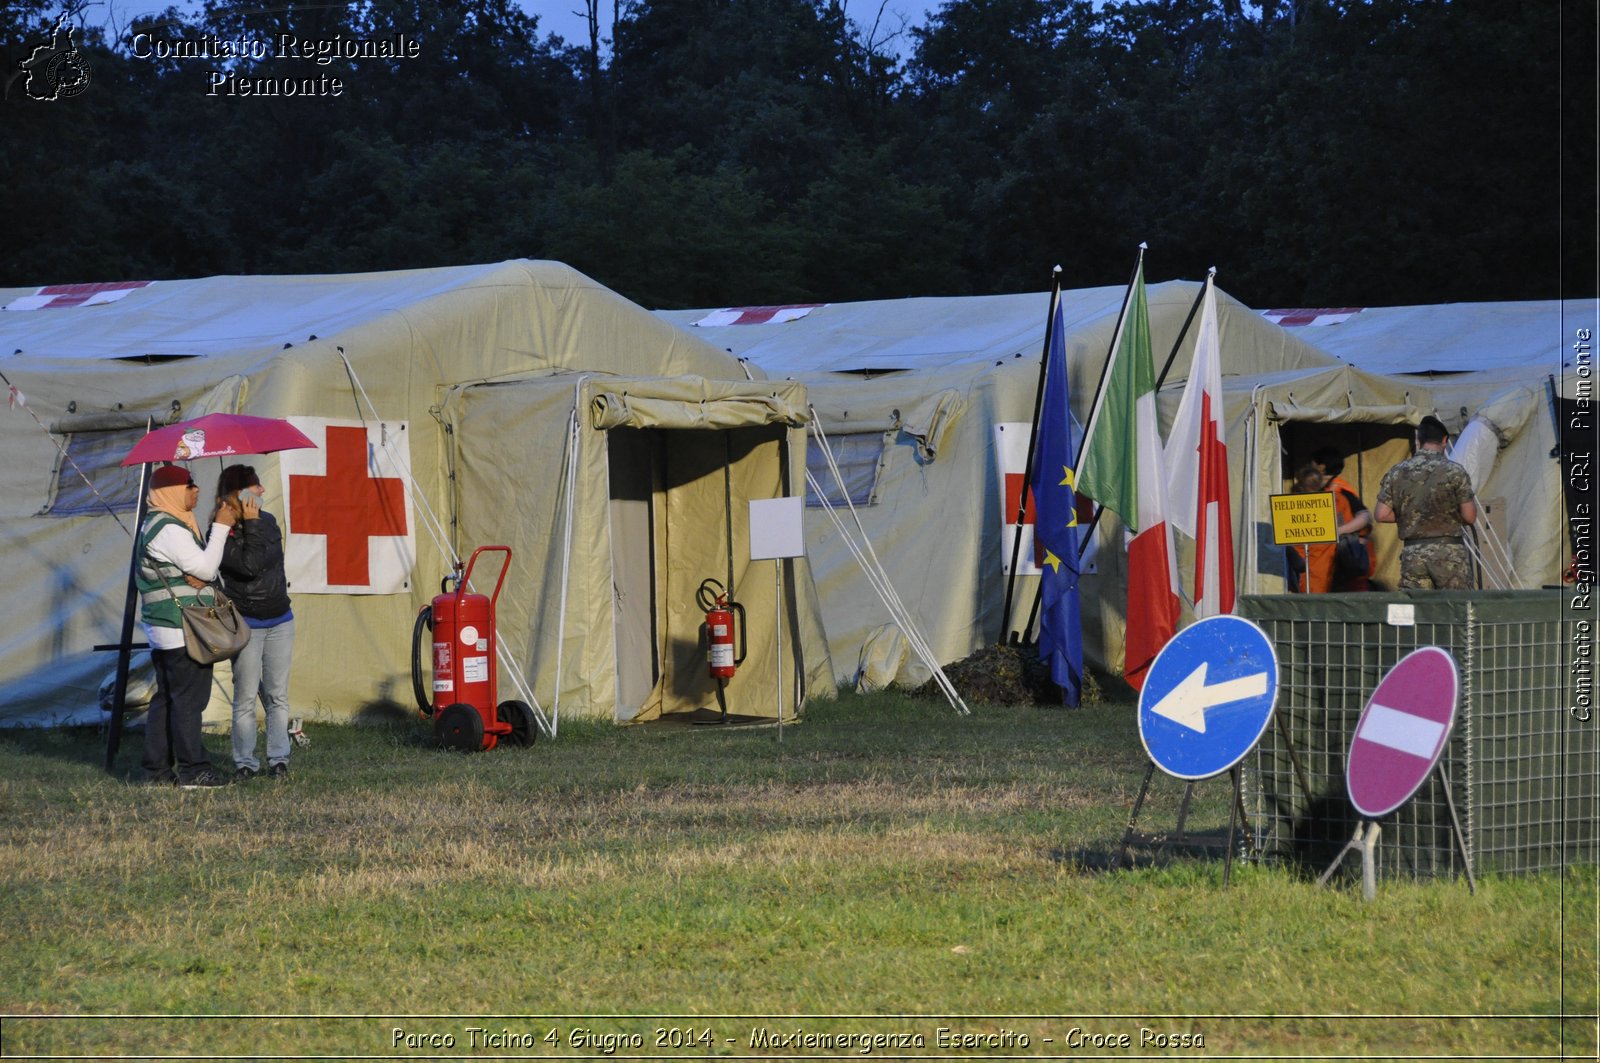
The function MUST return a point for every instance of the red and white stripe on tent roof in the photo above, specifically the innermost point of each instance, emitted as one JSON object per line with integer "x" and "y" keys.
{"x": 756, "y": 315}
{"x": 1326, "y": 315}
{"x": 60, "y": 296}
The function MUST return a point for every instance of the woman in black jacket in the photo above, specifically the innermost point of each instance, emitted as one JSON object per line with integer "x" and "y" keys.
{"x": 252, "y": 573}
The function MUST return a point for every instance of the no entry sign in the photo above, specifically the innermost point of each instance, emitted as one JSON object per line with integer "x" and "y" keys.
{"x": 1402, "y": 732}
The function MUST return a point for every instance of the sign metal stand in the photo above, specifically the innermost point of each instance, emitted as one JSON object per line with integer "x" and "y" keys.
{"x": 1238, "y": 818}
{"x": 1207, "y": 700}
{"x": 1365, "y": 839}
{"x": 776, "y": 533}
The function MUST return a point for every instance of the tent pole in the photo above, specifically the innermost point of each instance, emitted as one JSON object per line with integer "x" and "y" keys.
{"x": 1027, "y": 468}
{"x": 727, "y": 499}
{"x": 125, "y": 643}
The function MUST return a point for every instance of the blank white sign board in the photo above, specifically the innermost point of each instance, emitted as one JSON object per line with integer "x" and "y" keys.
{"x": 777, "y": 527}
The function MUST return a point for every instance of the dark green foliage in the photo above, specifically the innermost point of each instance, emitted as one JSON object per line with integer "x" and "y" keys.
{"x": 717, "y": 152}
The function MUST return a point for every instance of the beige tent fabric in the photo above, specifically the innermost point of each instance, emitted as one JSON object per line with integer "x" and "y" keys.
{"x": 937, "y": 527}
{"x": 936, "y": 524}
{"x": 1499, "y": 362}
{"x": 1522, "y": 493}
{"x": 695, "y": 403}
{"x": 1294, "y": 411}
{"x": 272, "y": 346}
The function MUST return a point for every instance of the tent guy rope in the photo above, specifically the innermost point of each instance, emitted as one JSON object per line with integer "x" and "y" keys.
{"x": 876, "y": 575}
{"x": 436, "y": 532}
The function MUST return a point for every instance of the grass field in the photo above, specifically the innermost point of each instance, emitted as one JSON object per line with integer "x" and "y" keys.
{"x": 887, "y": 871}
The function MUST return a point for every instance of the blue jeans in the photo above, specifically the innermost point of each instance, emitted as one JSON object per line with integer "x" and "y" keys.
{"x": 262, "y": 668}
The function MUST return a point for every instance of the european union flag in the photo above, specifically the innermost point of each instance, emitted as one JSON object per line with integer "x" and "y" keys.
{"x": 1055, "y": 531}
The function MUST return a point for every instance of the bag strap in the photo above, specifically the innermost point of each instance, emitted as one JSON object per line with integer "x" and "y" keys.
{"x": 168, "y": 585}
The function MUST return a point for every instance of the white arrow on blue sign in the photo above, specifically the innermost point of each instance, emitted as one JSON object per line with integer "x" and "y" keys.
{"x": 1208, "y": 697}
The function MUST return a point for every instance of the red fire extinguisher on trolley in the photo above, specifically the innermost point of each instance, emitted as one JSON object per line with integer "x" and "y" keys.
{"x": 463, "y": 702}
{"x": 720, "y": 636}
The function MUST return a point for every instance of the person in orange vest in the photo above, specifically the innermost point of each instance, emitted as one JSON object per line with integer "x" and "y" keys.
{"x": 1324, "y": 570}
{"x": 1354, "y": 519}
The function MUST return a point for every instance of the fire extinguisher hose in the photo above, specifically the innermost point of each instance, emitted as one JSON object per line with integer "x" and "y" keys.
{"x": 418, "y": 687}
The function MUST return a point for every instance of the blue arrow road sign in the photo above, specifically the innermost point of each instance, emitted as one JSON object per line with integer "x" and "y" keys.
{"x": 1208, "y": 697}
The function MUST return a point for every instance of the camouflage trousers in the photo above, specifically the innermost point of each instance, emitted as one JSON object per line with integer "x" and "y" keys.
{"x": 1439, "y": 566}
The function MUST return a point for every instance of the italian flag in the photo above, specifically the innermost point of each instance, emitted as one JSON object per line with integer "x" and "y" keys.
{"x": 1122, "y": 469}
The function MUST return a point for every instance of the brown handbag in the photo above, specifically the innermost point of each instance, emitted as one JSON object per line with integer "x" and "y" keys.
{"x": 212, "y": 631}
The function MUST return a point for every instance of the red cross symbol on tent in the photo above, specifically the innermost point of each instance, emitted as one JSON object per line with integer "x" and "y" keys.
{"x": 1083, "y": 506}
{"x": 1013, "y": 493}
{"x": 347, "y": 505}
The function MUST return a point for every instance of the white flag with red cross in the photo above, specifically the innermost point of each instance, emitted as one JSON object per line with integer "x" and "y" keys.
{"x": 348, "y": 527}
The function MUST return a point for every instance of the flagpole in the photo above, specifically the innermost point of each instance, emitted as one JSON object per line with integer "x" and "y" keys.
{"x": 1083, "y": 542}
{"x": 130, "y": 606}
{"x": 1087, "y": 533}
{"x": 1211, "y": 276}
{"x": 1105, "y": 371}
{"x": 1033, "y": 440}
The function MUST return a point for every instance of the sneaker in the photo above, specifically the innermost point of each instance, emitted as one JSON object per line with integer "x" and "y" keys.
{"x": 244, "y": 775}
{"x": 205, "y": 780}
{"x": 279, "y": 770}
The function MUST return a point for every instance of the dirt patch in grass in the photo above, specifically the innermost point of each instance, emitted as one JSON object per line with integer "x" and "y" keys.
{"x": 1009, "y": 675}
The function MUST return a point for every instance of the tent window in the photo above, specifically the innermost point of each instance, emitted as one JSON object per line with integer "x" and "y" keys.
{"x": 96, "y": 456}
{"x": 860, "y": 459}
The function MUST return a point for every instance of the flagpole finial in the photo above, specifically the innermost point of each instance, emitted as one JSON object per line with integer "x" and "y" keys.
{"x": 1143, "y": 246}
{"x": 1056, "y": 272}
{"x": 1212, "y": 272}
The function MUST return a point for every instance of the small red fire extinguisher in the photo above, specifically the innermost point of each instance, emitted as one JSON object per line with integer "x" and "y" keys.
{"x": 719, "y": 630}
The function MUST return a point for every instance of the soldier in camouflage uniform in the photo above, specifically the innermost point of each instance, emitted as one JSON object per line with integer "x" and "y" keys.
{"x": 1429, "y": 497}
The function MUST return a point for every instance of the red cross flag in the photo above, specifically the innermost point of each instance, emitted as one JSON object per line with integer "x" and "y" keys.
{"x": 349, "y": 509}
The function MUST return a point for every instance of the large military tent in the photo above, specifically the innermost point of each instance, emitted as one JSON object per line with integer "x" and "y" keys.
{"x": 921, "y": 393}
{"x": 517, "y": 403}
{"x": 1511, "y": 378}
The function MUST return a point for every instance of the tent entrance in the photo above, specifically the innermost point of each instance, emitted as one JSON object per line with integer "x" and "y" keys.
{"x": 635, "y": 457}
{"x": 1369, "y": 449}
{"x": 676, "y": 497}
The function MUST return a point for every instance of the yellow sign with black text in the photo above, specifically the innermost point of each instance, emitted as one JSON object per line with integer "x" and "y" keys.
{"x": 1301, "y": 519}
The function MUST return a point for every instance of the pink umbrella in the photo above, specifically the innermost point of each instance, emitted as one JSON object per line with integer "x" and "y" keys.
{"x": 217, "y": 435}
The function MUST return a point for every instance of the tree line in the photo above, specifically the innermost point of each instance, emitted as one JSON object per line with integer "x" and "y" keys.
{"x": 727, "y": 152}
